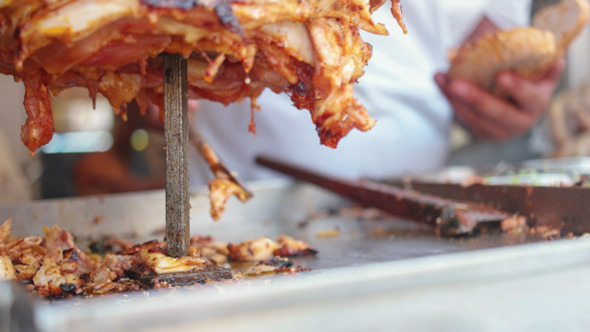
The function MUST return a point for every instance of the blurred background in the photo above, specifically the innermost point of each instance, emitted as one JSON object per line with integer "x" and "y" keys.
{"x": 561, "y": 133}
{"x": 82, "y": 133}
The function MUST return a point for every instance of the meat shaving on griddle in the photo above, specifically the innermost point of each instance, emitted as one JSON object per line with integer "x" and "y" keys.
{"x": 53, "y": 267}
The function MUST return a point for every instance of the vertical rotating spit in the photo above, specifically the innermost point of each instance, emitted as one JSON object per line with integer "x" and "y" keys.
{"x": 177, "y": 194}
{"x": 176, "y": 140}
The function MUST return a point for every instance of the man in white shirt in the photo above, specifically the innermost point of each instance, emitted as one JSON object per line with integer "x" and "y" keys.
{"x": 401, "y": 90}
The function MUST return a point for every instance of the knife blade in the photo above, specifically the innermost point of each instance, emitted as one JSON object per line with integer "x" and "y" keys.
{"x": 564, "y": 208}
{"x": 450, "y": 217}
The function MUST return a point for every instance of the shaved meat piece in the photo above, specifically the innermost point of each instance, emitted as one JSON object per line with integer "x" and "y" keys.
{"x": 26, "y": 254}
{"x": 210, "y": 248}
{"x": 18, "y": 245}
{"x": 54, "y": 267}
{"x": 274, "y": 265}
{"x": 219, "y": 192}
{"x": 124, "y": 245}
{"x": 103, "y": 275}
{"x": 152, "y": 246}
{"x": 119, "y": 286}
{"x": 27, "y": 257}
{"x": 38, "y": 128}
{"x": 5, "y": 231}
{"x": 396, "y": 10}
{"x": 225, "y": 184}
{"x": 55, "y": 278}
{"x": 120, "y": 263}
{"x": 288, "y": 246}
{"x": 57, "y": 238}
{"x": 113, "y": 267}
{"x": 340, "y": 53}
{"x": 310, "y": 50}
{"x": 514, "y": 225}
{"x": 6, "y": 269}
{"x": 259, "y": 269}
{"x": 253, "y": 250}
{"x": 161, "y": 263}
{"x": 263, "y": 248}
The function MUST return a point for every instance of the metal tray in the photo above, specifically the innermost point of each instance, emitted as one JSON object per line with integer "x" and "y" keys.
{"x": 577, "y": 165}
{"x": 378, "y": 274}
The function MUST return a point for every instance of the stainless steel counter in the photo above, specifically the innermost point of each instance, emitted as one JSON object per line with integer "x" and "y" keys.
{"x": 378, "y": 274}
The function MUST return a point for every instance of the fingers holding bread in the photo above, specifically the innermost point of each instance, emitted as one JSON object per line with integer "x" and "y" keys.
{"x": 529, "y": 52}
{"x": 526, "y": 51}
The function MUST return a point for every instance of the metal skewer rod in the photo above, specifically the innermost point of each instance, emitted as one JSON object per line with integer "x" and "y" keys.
{"x": 218, "y": 168}
{"x": 176, "y": 138}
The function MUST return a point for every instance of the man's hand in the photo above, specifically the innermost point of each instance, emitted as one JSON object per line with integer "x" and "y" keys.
{"x": 495, "y": 118}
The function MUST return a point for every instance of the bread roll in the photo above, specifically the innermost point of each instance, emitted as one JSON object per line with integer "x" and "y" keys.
{"x": 565, "y": 19}
{"x": 528, "y": 51}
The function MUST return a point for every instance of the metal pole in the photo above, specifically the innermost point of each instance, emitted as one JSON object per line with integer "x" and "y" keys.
{"x": 176, "y": 136}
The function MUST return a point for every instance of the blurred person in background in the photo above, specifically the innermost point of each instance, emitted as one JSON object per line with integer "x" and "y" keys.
{"x": 404, "y": 89}
{"x": 117, "y": 169}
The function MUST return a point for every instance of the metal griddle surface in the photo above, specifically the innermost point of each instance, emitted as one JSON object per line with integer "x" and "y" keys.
{"x": 358, "y": 250}
{"x": 372, "y": 260}
{"x": 299, "y": 210}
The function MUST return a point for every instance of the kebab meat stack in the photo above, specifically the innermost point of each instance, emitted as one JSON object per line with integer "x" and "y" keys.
{"x": 310, "y": 49}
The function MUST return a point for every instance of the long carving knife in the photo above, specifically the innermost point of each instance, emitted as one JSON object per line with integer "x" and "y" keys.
{"x": 565, "y": 208}
{"x": 450, "y": 217}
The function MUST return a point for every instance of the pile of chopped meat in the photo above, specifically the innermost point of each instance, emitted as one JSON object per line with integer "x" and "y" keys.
{"x": 311, "y": 50}
{"x": 52, "y": 266}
